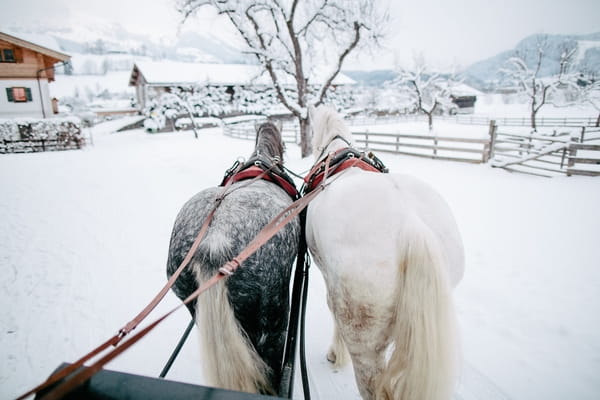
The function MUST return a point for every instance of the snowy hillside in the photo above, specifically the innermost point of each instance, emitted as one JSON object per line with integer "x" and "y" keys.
{"x": 101, "y": 47}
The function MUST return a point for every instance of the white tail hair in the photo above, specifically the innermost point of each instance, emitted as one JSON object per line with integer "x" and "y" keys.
{"x": 424, "y": 360}
{"x": 230, "y": 360}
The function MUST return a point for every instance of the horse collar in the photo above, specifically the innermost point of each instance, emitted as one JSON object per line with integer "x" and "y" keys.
{"x": 255, "y": 166}
{"x": 340, "y": 160}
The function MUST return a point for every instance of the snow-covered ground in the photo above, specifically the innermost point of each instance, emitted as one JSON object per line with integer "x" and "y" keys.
{"x": 85, "y": 234}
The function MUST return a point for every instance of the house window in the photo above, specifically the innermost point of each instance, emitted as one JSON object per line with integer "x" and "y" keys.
{"x": 7, "y": 55}
{"x": 18, "y": 94}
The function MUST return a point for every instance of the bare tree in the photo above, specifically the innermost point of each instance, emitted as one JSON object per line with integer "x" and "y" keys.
{"x": 296, "y": 40}
{"x": 590, "y": 93}
{"x": 529, "y": 80}
{"x": 429, "y": 90}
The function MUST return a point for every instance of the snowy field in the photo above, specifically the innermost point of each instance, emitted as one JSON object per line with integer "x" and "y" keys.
{"x": 85, "y": 234}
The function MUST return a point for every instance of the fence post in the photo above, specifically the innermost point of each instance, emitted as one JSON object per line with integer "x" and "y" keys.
{"x": 366, "y": 138}
{"x": 493, "y": 131}
{"x": 572, "y": 155}
{"x": 582, "y": 134}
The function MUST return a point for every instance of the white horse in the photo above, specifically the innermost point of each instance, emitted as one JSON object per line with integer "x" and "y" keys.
{"x": 390, "y": 253}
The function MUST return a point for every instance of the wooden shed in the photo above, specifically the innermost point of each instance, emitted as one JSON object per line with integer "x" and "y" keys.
{"x": 464, "y": 97}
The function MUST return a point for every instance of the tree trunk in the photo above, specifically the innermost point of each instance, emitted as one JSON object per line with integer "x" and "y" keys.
{"x": 533, "y": 118}
{"x": 430, "y": 121}
{"x": 305, "y": 137}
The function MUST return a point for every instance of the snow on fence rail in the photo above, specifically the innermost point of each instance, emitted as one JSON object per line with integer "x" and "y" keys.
{"x": 35, "y": 135}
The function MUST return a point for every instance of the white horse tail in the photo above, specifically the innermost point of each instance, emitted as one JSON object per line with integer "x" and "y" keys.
{"x": 424, "y": 360}
{"x": 229, "y": 359}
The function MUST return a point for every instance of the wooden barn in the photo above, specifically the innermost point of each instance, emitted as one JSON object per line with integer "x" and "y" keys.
{"x": 464, "y": 98}
{"x": 26, "y": 68}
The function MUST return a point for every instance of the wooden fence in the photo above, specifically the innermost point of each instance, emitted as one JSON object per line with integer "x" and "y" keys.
{"x": 524, "y": 121}
{"x": 567, "y": 153}
{"x": 470, "y": 150}
{"x": 476, "y": 120}
{"x": 247, "y": 130}
{"x": 548, "y": 155}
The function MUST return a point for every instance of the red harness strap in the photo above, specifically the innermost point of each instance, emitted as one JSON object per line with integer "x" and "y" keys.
{"x": 313, "y": 180}
{"x": 255, "y": 171}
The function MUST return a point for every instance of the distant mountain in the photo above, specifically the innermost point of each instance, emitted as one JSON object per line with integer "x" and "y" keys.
{"x": 104, "y": 42}
{"x": 485, "y": 74}
{"x": 213, "y": 46}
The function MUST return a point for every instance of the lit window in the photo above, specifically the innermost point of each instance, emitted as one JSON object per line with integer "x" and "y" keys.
{"x": 18, "y": 94}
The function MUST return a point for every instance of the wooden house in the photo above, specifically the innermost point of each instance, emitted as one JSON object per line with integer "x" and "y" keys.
{"x": 26, "y": 68}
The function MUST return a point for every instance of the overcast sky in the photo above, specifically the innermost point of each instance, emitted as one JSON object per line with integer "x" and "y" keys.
{"x": 447, "y": 32}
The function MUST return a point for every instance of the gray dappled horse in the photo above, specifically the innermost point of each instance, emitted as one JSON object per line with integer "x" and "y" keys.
{"x": 242, "y": 321}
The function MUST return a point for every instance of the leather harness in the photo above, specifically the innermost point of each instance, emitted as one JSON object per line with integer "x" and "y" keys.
{"x": 257, "y": 165}
{"x": 340, "y": 160}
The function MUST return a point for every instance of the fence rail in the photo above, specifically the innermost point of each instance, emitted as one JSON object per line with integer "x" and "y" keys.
{"x": 428, "y": 146}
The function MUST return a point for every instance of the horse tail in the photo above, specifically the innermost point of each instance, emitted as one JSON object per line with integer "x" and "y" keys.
{"x": 230, "y": 360}
{"x": 424, "y": 359}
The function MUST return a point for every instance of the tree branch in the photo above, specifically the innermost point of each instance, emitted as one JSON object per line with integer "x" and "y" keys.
{"x": 338, "y": 67}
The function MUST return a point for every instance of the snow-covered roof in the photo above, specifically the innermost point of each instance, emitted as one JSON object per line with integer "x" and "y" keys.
{"x": 39, "y": 43}
{"x": 171, "y": 73}
{"x": 462, "y": 89}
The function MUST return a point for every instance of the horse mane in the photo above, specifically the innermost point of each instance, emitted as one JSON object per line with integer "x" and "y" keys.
{"x": 268, "y": 141}
{"x": 327, "y": 124}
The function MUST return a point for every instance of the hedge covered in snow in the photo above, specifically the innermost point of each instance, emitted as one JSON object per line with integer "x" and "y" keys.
{"x": 31, "y": 134}
{"x": 165, "y": 109}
